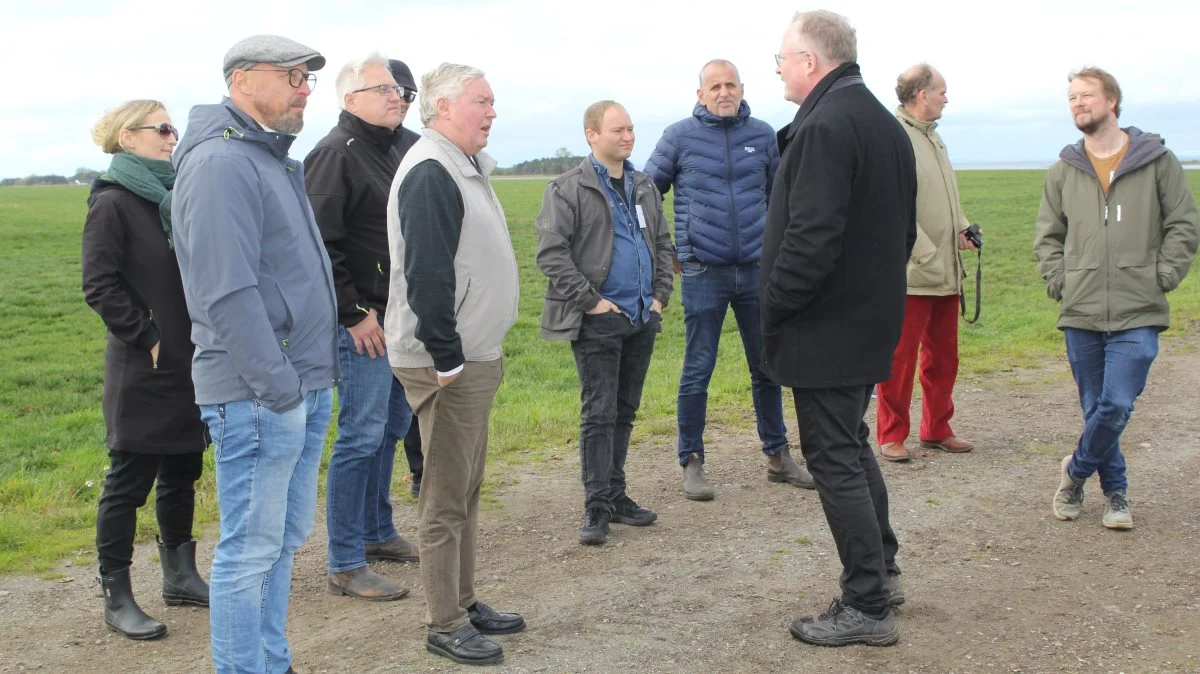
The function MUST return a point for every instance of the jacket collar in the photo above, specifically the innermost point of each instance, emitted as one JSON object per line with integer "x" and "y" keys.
{"x": 277, "y": 142}
{"x": 907, "y": 117}
{"x": 590, "y": 177}
{"x": 1143, "y": 149}
{"x": 458, "y": 158}
{"x": 845, "y": 71}
{"x": 700, "y": 112}
{"x": 380, "y": 136}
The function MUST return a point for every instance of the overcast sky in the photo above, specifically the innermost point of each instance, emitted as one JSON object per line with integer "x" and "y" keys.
{"x": 1005, "y": 62}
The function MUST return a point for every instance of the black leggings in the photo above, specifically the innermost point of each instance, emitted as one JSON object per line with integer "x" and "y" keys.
{"x": 130, "y": 477}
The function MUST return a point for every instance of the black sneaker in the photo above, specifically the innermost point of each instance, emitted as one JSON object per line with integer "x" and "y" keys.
{"x": 595, "y": 526}
{"x": 895, "y": 592}
{"x": 842, "y": 625}
{"x": 627, "y": 511}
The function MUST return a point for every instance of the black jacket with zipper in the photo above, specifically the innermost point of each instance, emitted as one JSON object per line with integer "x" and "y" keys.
{"x": 348, "y": 175}
{"x": 131, "y": 278}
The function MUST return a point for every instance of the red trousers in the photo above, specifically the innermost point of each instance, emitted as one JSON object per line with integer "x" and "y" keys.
{"x": 932, "y": 323}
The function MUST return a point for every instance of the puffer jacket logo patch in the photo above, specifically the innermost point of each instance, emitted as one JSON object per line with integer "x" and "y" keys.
{"x": 749, "y": 150}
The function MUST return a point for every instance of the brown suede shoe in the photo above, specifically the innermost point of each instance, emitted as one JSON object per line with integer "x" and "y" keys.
{"x": 951, "y": 444}
{"x": 363, "y": 583}
{"x": 395, "y": 550}
{"x": 894, "y": 451}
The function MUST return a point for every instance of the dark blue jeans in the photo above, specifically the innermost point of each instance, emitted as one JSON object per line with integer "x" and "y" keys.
{"x": 708, "y": 291}
{"x": 372, "y": 416}
{"x": 1110, "y": 369}
{"x": 611, "y": 356}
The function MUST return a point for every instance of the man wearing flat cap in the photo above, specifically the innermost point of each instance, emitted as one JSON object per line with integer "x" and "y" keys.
{"x": 348, "y": 176}
{"x": 260, "y": 293}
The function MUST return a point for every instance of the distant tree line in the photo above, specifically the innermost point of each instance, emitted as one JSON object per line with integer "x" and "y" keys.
{"x": 83, "y": 176}
{"x": 561, "y": 162}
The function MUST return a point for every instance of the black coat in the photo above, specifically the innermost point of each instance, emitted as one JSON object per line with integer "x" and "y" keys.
{"x": 840, "y": 226}
{"x": 131, "y": 278}
{"x": 348, "y": 176}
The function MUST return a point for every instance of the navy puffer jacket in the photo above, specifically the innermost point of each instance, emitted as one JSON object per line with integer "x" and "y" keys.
{"x": 721, "y": 169}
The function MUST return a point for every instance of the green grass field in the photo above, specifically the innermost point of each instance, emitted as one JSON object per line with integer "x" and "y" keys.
{"x": 52, "y": 454}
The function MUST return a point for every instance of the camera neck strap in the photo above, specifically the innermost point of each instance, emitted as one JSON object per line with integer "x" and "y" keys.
{"x": 962, "y": 297}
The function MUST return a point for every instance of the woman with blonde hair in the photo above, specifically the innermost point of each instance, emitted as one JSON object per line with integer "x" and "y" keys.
{"x": 154, "y": 431}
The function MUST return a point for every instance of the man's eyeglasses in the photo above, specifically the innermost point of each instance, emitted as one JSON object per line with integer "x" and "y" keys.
{"x": 385, "y": 90}
{"x": 295, "y": 76}
{"x": 779, "y": 57}
{"x": 163, "y": 130}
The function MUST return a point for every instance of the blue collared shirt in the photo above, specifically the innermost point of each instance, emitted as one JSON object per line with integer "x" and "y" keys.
{"x": 630, "y": 281}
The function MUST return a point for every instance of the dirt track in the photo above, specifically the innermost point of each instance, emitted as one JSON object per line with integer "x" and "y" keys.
{"x": 994, "y": 582}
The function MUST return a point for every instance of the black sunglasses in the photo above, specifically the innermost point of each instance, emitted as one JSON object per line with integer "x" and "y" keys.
{"x": 163, "y": 130}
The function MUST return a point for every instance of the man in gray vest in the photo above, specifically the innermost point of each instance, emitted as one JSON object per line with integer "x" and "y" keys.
{"x": 454, "y": 291}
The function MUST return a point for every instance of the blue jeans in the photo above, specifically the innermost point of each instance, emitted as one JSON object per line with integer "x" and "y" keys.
{"x": 1110, "y": 369}
{"x": 708, "y": 291}
{"x": 372, "y": 416}
{"x": 267, "y": 492}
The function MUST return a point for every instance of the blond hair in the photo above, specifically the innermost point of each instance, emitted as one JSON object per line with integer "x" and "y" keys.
{"x": 593, "y": 117}
{"x": 1112, "y": 90}
{"x": 107, "y": 132}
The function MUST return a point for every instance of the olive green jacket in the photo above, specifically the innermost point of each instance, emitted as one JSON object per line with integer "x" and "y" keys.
{"x": 1111, "y": 259}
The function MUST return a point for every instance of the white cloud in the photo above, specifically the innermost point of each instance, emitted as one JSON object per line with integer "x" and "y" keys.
{"x": 547, "y": 60}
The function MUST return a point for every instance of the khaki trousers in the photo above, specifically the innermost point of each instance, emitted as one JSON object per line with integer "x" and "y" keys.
{"x": 454, "y": 433}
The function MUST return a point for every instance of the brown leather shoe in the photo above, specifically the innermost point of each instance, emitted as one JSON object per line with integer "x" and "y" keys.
{"x": 894, "y": 451}
{"x": 395, "y": 550}
{"x": 951, "y": 444}
{"x": 363, "y": 583}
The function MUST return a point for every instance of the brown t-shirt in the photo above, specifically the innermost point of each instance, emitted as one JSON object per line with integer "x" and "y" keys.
{"x": 1106, "y": 168}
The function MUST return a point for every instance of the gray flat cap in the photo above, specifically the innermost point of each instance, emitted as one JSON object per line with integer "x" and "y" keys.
{"x": 272, "y": 49}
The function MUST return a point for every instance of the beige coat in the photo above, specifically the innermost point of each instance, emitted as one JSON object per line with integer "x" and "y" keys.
{"x": 935, "y": 267}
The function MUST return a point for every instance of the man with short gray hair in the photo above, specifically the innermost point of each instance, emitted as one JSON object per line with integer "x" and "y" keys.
{"x": 454, "y": 292}
{"x": 260, "y": 293}
{"x": 840, "y": 227}
{"x": 348, "y": 176}
{"x": 721, "y": 162}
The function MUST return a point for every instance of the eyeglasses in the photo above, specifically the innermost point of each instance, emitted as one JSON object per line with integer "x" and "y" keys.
{"x": 163, "y": 130}
{"x": 779, "y": 57}
{"x": 407, "y": 95}
{"x": 295, "y": 76}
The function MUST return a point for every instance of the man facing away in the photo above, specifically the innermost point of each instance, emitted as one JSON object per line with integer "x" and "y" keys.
{"x": 348, "y": 175}
{"x": 721, "y": 162}
{"x": 454, "y": 292}
{"x": 1116, "y": 231}
{"x": 935, "y": 273}
{"x": 260, "y": 293}
{"x": 604, "y": 245}
{"x": 840, "y": 228}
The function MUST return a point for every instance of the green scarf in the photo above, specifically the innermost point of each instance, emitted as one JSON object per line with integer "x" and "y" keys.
{"x": 151, "y": 179}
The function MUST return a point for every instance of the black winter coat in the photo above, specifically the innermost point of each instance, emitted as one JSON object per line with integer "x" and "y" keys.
{"x": 840, "y": 226}
{"x": 348, "y": 176}
{"x": 131, "y": 278}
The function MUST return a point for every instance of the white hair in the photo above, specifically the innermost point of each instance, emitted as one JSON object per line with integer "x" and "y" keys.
{"x": 830, "y": 34}
{"x": 445, "y": 81}
{"x": 350, "y": 78}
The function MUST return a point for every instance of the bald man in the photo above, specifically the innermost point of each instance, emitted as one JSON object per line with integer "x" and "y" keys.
{"x": 935, "y": 273}
{"x": 721, "y": 161}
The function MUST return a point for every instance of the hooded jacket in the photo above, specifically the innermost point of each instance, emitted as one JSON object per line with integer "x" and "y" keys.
{"x": 257, "y": 279}
{"x": 722, "y": 169}
{"x": 935, "y": 267}
{"x": 1111, "y": 259}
